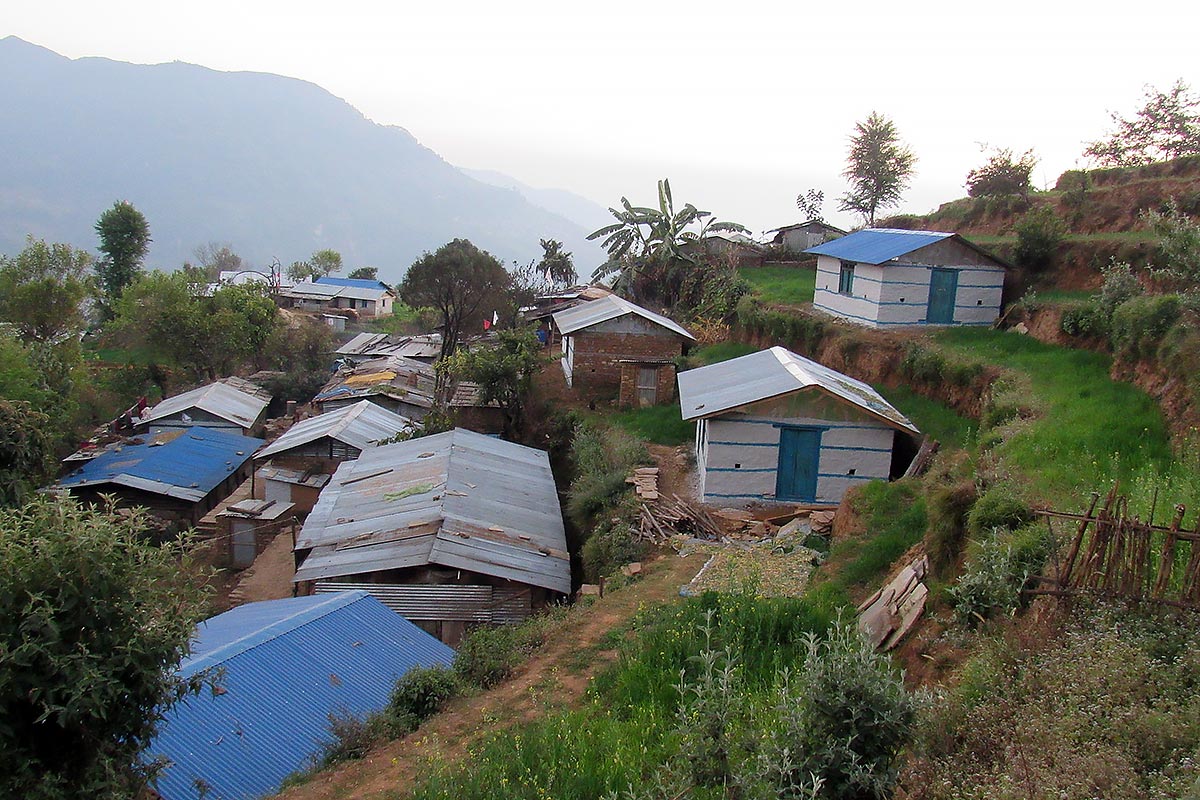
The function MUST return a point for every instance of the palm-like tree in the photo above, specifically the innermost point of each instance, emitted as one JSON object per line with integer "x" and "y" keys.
{"x": 644, "y": 235}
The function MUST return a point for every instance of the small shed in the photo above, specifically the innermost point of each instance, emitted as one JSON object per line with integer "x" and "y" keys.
{"x": 282, "y": 669}
{"x": 776, "y": 427}
{"x": 244, "y": 530}
{"x": 882, "y": 277}
{"x": 450, "y": 529}
{"x": 231, "y": 404}
{"x": 178, "y": 474}
{"x": 798, "y": 238}
{"x": 299, "y": 486}
{"x": 401, "y": 385}
{"x": 735, "y": 249}
{"x": 610, "y": 345}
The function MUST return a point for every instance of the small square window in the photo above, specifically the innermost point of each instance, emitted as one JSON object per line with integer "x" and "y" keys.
{"x": 846, "y": 278}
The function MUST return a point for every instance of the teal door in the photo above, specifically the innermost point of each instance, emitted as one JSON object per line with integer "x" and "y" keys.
{"x": 799, "y": 452}
{"x": 943, "y": 290}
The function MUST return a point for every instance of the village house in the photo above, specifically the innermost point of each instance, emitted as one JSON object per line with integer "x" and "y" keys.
{"x": 735, "y": 249}
{"x": 775, "y": 427}
{"x": 400, "y": 385}
{"x": 798, "y": 238}
{"x": 364, "y": 347}
{"x": 612, "y": 347}
{"x": 364, "y": 298}
{"x": 448, "y": 530}
{"x": 231, "y": 404}
{"x": 245, "y": 528}
{"x": 282, "y": 669}
{"x": 291, "y": 468}
{"x": 543, "y": 308}
{"x": 178, "y": 474}
{"x": 881, "y": 277}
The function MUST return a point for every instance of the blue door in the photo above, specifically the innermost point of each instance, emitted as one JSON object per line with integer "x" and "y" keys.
{"x": 799, "y": 452}
{"x": 943, "y": 291}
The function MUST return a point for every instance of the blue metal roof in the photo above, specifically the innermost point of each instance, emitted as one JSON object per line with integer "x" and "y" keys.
{"x": 355, "y": 283}
{"x": 877, "y": 245}
{"x": 187, "y": 464}
{"x": 284, "y": 667}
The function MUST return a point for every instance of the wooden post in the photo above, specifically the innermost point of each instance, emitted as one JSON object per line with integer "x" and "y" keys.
{"x": 1166, "y": 562}
{"x": 1065, "y": 576}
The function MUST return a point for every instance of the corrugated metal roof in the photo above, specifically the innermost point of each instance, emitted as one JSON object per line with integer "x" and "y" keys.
{"x": 220, "y": 399}
{"x": 360, "y": 425}
{"x": 609, "y": 307}
{"x": 285, "y": 666}
{"x": 185, "y": 464}
{"x": 428, "y": 345}
{"x": 459, "y": 499}
{"x": 354, "y": 283}
{"x": 877, "y": 245}
{"x": 717, "y": 388}
{"x": 325, "y": 290}
{"x": 396, "y": 376}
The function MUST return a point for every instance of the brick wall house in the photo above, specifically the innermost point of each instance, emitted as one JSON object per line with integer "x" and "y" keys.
{"x": 613, "y": 348}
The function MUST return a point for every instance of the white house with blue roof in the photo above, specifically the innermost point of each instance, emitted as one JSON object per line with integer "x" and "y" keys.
{"x": 366, "y": 298}
{"x": 279, "y": 670}
{"x": 775, "y": 427}
{"x": 882, "y": 277}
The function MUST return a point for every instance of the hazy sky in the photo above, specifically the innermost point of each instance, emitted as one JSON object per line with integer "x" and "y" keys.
{"x": 742, "y": 105}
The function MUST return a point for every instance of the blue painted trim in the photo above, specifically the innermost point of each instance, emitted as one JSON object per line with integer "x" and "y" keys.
{"x": 889, "y": 283}
{"x": 739, "y": 469}
{"x": 828, "y": 425}
{"x": 746, "y": 444}
{"x": 859, "y": 449}
{"x": 850, "y": 477}
{"x": 802, "y": 426}
{"x": 752, "y": 496}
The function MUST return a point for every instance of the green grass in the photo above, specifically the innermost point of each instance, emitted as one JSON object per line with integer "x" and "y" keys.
{"x": 1064, "y": 295}
{"x": 721, "y": 351}
{"x": 656, "y": 424}
{"x": 894, "y": 519}
{"x": 789, "y": 286}
{"x": 935, "y": 419}
{"x": 1089, "y": 430}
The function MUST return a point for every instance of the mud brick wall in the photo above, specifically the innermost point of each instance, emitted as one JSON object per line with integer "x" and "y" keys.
{"x": 598, "y": 356}
{"x": 664, "y": 379}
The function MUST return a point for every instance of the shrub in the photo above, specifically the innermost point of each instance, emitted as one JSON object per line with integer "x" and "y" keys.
{"x": 1084, "y": 319}
{"x": 353, "y": 737}
{"x": 922, "y": 363}
{"x": 1120, "y": 284}
{"x": 947, "y": 510}
{"x": 1140, "y": 323}
{"x": 603, "y": 459}
{"x": 420, "y": 693}
{"x": 844, "y": 716}
{"x": 489, "y": 654}
{"x": 1039, "y": 234}
{"x": 997, "y": 573}
{"x": 997, "y": 508}
{"x": 612, "y": 544}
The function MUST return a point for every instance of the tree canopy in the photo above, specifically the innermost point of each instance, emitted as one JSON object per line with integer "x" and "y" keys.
{"x": 1166, "y": 126}
{"x": 42, "y": 290}
{"x": 124, "y": 240}
{"x": 93, "y": 623}
{"x": 811, "y": 204}
{"x": 365, "y": 274}
{"x": 463, "y": 283}
{"x": 1002, "y": 174}
{"x": 504, "y": 371}
{"x": 556, "y": 264}
{"x": 320, "y": 264}
{"x": 879, "y": 167}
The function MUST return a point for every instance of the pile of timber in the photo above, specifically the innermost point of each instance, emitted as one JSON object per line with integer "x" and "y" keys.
{"x": 666, "y": 517}
{"x": 645, "y": 482}
{"x": 888, "y": 615}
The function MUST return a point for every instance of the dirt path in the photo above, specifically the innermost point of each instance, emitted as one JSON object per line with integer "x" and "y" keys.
{"x": 270, "y": 576}
{"x": 555, "y": 677}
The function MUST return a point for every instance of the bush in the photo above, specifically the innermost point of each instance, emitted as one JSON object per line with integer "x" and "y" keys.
{"x": 603, "y": 458}
{"x": 997, "y": 573}
{"x": 611, "y": 545}
{"x": 1084, "y": 319}
{"x": 997, "y": 508}
{"x": 1039, "y": 234}
{"x": 948, "y": 507}
{"x": 353, "y": 737}
{"x": 420, "y": 693}
{"x": 1140, "y": 323}
{"x": 489, "y": 654}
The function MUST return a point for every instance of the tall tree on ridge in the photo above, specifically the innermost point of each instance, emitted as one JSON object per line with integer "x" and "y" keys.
{"x": 879, "y": 167}
{"x": 124, "y": 239}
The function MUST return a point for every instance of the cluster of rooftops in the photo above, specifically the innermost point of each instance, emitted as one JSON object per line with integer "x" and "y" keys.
{"x": 404, "y": 543}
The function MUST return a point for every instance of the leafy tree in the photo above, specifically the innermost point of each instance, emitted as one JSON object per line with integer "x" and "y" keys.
{"x": 1039, "y": 234}
{"x": 653, "y": 252}
{"x": 26, "y": 451}
{"x": 504, "y": 372}
{"x": 365, "y": 274}
{"x": 168, "y": 315}
{"x": 217, "y": 257}
{"x": 93, "y": 623}
{"x": 878, "y": 167}
{"x": 1167, "y": 126}
{"x": 39, "y": 377}
{"x": 556, "y": 264}
{"x": 810, "y": 204}
{"x": 1178, "y": 248}
{"x": 320, "y": 264}
{"x": 42, "y": 291}
{"x": 124, "y": 239}
{"x": 1002, "y": 175}
{"x": 463, "y": 283}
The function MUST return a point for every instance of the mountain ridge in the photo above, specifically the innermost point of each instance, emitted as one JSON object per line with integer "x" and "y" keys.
{"x": 276, "y": 166}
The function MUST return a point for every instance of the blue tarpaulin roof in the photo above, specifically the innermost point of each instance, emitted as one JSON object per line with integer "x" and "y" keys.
{"x": 877, "y": 245}
{"x": 283, "y": 667}
{"x": 187, "y": 464}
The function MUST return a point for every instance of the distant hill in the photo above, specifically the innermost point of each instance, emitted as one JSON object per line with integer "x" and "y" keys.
{"x": 276, "y": 166}
{"x": 583, "y": 212}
